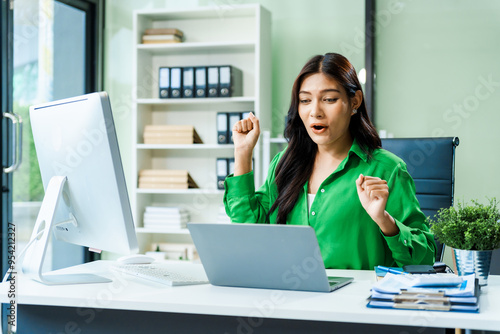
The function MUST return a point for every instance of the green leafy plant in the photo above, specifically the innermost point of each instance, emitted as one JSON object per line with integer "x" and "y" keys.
{"x": 472, "y": 226}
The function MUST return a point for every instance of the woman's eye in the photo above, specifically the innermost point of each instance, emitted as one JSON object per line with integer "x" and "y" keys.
{"x": 331, "y": 100}
{"x": 303, "y": 100}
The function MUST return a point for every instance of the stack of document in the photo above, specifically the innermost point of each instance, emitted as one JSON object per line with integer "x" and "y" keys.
{"x": 158, "y": 217}
{"x": 442, "y": 292}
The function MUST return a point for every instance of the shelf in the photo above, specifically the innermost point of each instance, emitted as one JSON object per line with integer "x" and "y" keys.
{"x": 184, "y": 147}
{"x": 212, "y": 12}
{"x": 181, "y": 191}
{"x": 205, "y": 101}
{"x": 162, "y": 230}
{"x": 236, "y": 35}
{"x": 197, "y": 47}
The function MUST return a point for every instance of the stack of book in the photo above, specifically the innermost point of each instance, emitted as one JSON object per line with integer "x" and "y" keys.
{"x": 439, "y": 292}
{"x": 222, "y": 217}
{"x": 157, "y": 217}
{"x": 171, "y": 134}
{"x": 165, "y": 179}
{"x": 162, "y": 35}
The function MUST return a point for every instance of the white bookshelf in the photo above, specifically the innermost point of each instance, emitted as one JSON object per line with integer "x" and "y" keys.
{"x": 238, "y": 35}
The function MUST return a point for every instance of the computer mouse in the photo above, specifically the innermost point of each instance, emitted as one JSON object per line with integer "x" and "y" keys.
{"x": 135, "y": 259}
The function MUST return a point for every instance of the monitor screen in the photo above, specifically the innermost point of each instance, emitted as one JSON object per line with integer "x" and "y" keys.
{"x": 86, "y": 201}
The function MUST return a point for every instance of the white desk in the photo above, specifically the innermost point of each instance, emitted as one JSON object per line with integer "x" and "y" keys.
{"x": 248, "y": 310}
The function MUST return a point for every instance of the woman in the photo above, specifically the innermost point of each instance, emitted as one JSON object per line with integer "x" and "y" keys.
{"x": 333, "y": 176}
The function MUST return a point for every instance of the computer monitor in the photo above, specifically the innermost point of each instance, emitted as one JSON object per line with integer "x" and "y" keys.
{"x": 86, "y": 201}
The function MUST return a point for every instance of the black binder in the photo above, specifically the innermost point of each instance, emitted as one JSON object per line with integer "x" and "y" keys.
{"x": 200, "y": 82}
{"x": 230, "y": 81}
{"x": 234, "y": 117}
{"x": 213, "y": 81}
{"x": 188, "y": 82}
{"x": 222, "y": 128}
{"x": 175, "y": 82}
{"x": 164, "y": 82}
{"x": 230, "y": 166}
{"x": 222, "y": 172}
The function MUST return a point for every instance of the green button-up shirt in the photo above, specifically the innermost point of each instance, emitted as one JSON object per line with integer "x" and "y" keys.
{"x": 347, "y": 236}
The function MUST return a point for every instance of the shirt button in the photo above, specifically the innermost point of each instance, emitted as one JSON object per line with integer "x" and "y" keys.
{"x": 313, "y": 213}
{"x": 405, "y": 242}
{"x": 322, "y": 190}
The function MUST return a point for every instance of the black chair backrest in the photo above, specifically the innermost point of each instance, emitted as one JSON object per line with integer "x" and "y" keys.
{"x": 431, "y": 163}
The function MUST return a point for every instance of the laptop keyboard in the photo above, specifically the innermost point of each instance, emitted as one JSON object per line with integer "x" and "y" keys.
{"x": 159, "y": 274}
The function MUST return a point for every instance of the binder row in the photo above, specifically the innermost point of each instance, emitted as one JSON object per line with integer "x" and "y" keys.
{"x": 225, "y": 123}
{"x": 199, "y": 82}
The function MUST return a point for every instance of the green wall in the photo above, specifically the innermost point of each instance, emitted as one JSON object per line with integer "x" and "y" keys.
{"x": 438, "y": 74}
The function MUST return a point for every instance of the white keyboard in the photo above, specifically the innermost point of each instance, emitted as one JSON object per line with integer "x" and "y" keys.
{"x": 160, "y": 274}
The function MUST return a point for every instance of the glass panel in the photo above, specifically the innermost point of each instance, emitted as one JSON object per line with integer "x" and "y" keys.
{"x": 49, "y": 64}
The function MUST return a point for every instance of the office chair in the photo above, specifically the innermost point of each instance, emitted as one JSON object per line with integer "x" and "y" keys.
{"x": 431, "y": 163}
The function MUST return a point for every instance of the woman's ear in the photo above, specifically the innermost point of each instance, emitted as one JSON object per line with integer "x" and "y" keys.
{"x": 357, "y": 99}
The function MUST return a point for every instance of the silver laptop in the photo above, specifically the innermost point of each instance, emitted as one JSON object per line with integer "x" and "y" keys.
{"x": 263, "y": 256}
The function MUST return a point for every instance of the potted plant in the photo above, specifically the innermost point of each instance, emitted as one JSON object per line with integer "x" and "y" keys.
{"x": 473, "y": 231}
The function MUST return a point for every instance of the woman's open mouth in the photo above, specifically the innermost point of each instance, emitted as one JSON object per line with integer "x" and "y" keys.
{"x": 318, "y": 128}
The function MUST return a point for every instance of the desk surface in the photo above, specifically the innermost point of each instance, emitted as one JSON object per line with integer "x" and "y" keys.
{"x": 347, "y": 304}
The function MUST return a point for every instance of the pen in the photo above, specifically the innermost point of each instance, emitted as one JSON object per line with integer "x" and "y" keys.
{"x": 390, "y": 270}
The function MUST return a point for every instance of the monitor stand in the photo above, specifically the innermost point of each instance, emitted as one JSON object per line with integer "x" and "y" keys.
{"x": 56, "y": 195}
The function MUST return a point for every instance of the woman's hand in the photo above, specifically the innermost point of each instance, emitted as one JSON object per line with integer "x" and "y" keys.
{"x": 373, "y": 193}
{"x": 245, "y": 135}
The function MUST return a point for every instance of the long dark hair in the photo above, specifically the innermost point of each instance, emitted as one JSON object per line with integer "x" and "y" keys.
{"x": 296, "y": 165}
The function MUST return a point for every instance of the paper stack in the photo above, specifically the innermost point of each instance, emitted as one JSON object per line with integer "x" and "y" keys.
{"x": 157, "y": 217}
{"x": 171, "y": 134}
{"x": 440, "y": 292}
{"x": 165, "y": 179}
{"x": 162, "y": 35}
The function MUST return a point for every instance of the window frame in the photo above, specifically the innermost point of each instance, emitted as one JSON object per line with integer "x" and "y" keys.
{"x": 94, "y": 46}
{"x": 94, "y": 60}
{"x": 6, "y": 70}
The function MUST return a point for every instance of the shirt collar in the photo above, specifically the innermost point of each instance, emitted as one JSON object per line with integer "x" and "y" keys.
{"x": 356, "y": 149}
